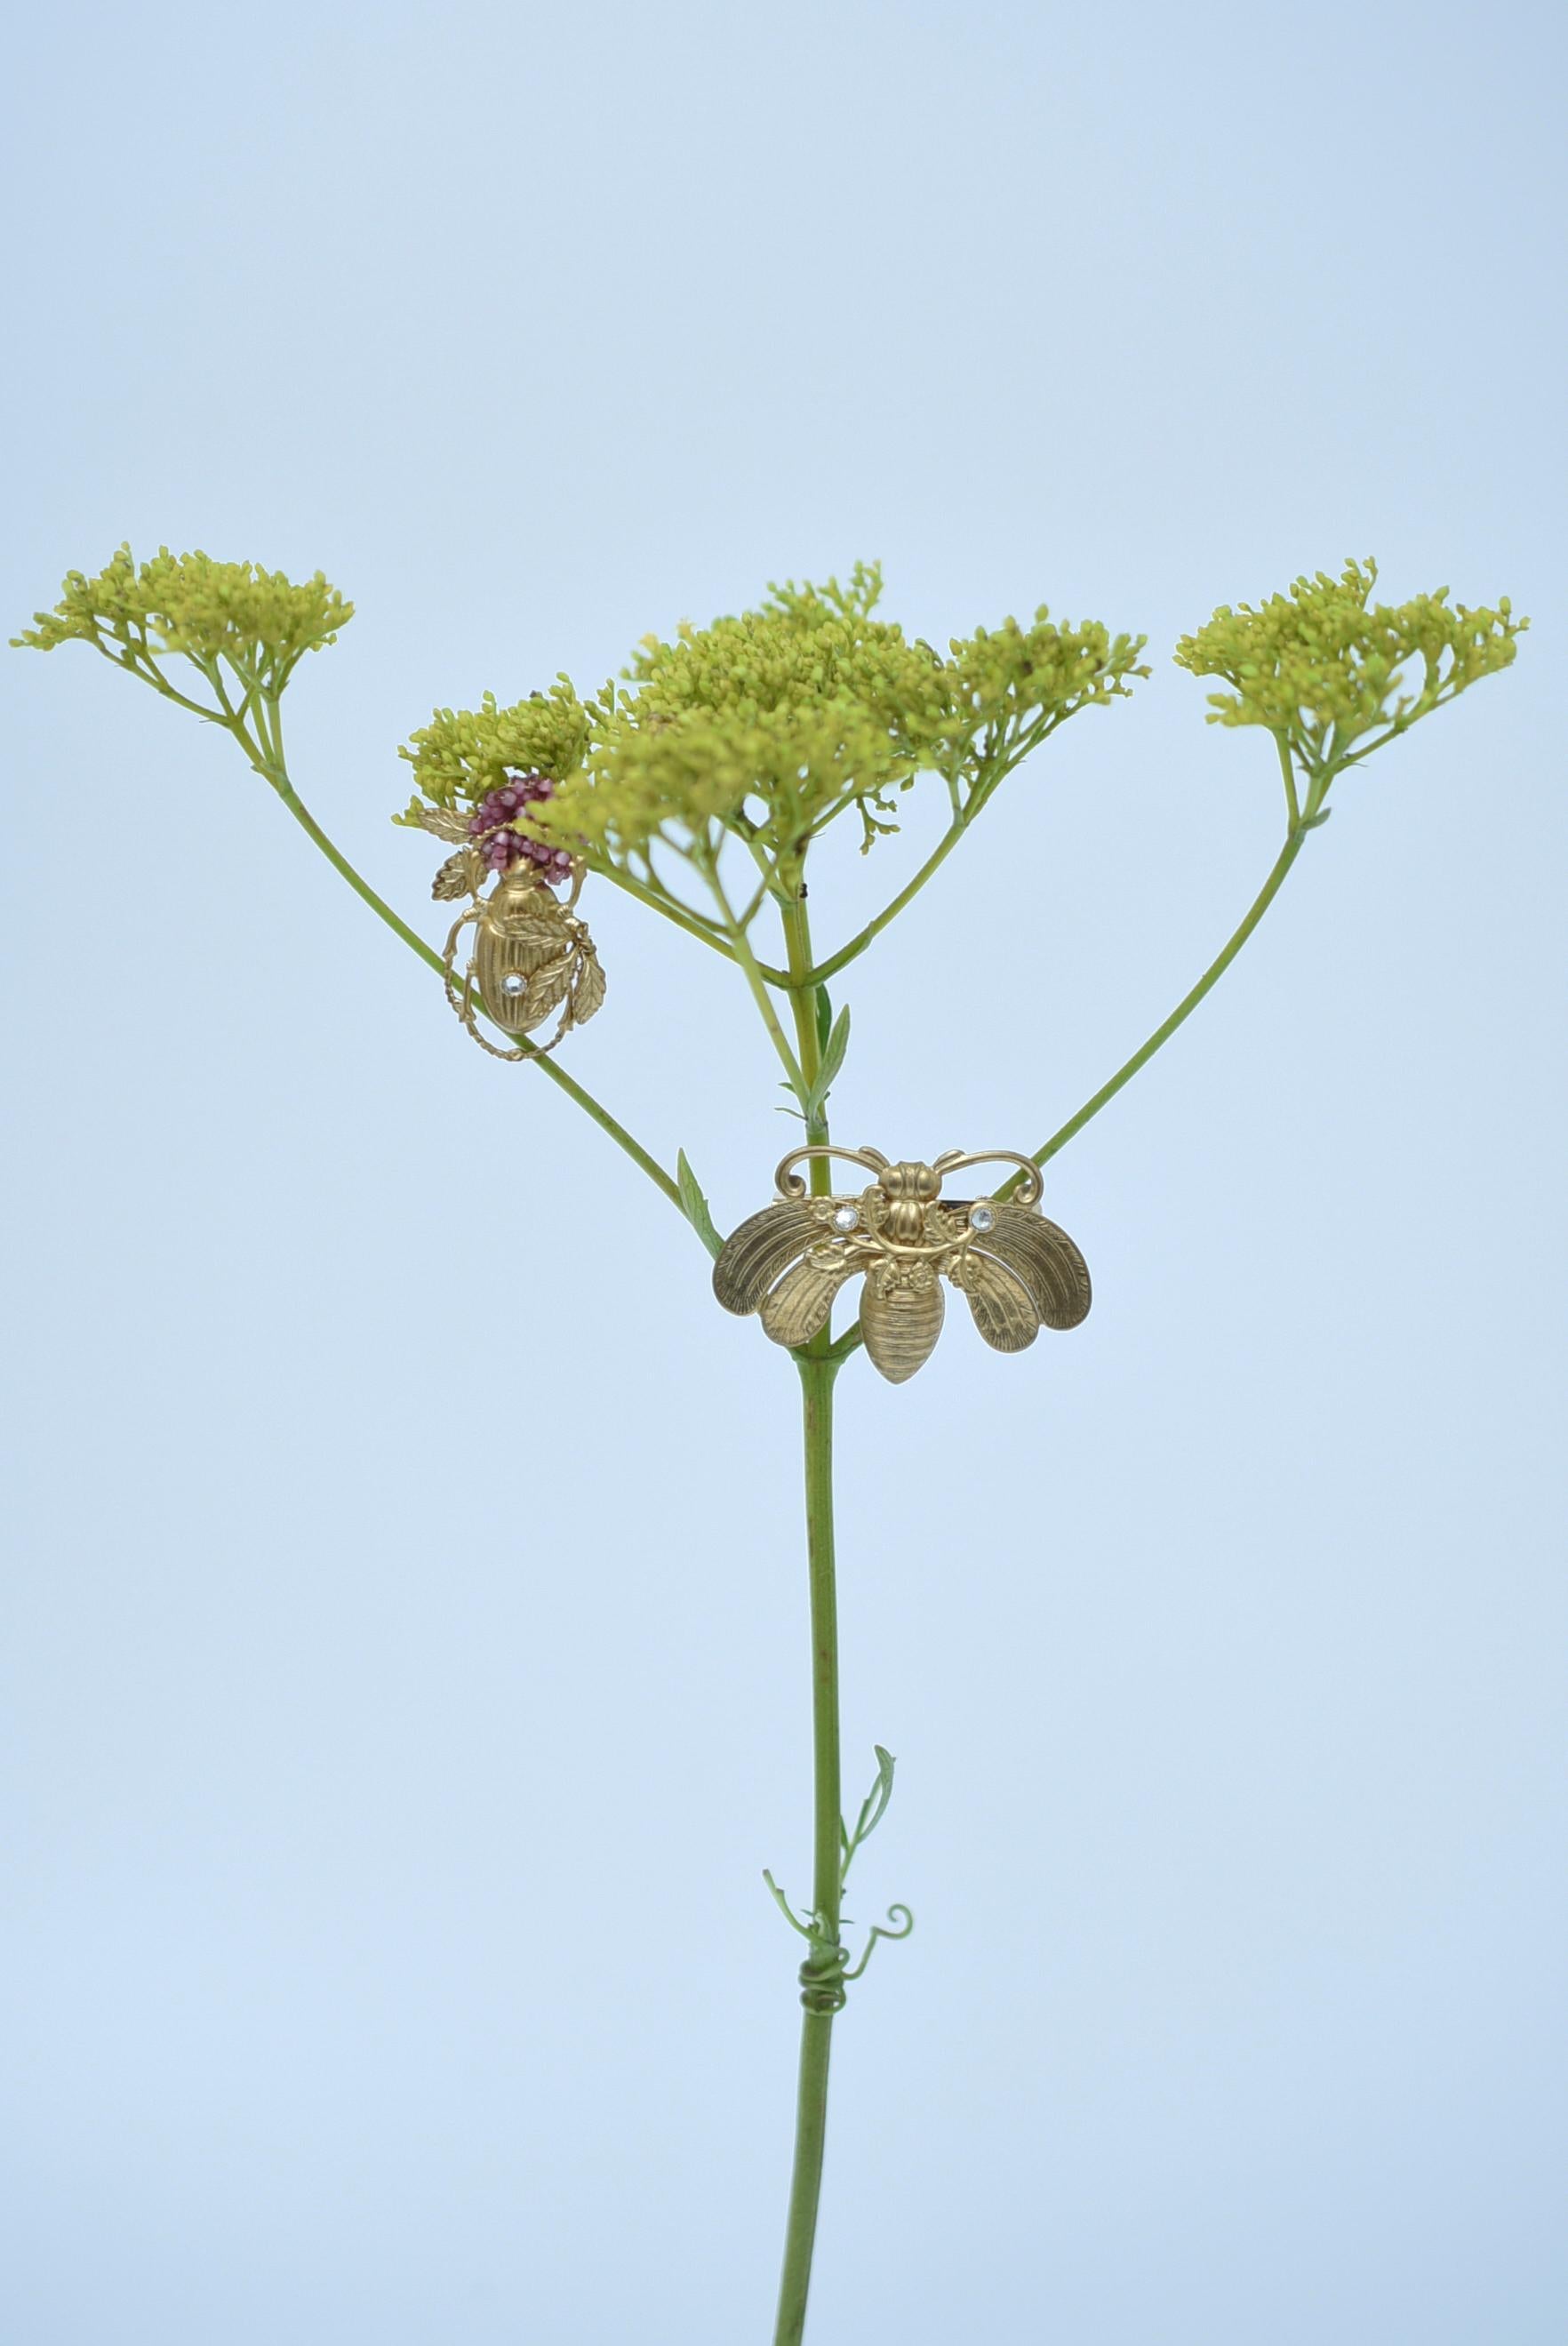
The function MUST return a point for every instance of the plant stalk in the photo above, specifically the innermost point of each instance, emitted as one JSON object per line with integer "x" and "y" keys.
{"x": 1185, "y": 1008}
{"x": 740, "y": 945}
{"x": 272, "y": 769}
{"x": 822, "y": 1993}
{"x": 808, "y": 1045}
{"x": 809, "y": 976}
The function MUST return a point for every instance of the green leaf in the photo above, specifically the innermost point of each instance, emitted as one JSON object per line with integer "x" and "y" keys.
{"x": 873, "y": 1809}
{"x": 693, "y": 1205}
{"x": 833, "y": 1052}
{"x": 880, "y": 1793}
{"x": 824, "y": 1017}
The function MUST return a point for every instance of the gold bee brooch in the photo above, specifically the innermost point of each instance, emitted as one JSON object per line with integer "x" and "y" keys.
{"x": 1019, "y": 1272}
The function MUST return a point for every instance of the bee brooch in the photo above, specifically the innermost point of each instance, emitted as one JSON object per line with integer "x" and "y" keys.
{"x": 1019, "y": 1272}
{"x": 530, "y": 954}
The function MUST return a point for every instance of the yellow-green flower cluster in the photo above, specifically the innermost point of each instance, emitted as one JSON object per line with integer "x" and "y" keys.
{"x": 258, "y": 620}
{"x": 808, "y": 648}
{"x": 464, "y": 754}
{"x": 772, "y": 722}
{"x": 1322, "y": 668}
{"x": 781, "y": 771}
{"x": 1002, "y": 676}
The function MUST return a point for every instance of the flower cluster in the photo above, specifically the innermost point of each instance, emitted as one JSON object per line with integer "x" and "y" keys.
{"x": 259, "y": 621}
{"x": 464, "y": 755}
{"x": 500, "y": 845}
{"x": 782, "y": 773}
{"x": 1005, "y": 677}
{"x": 1322, "y": 668}
{"x": 772, "y": 723}
{"x": 808, "y": 648}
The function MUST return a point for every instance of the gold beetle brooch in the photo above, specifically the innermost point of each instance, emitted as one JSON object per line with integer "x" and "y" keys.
{"x": 1019, "y": 1272}
{"x": 530, "y": 954}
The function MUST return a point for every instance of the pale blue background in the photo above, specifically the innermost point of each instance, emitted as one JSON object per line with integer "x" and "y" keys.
{"x": 406, "y": 1667}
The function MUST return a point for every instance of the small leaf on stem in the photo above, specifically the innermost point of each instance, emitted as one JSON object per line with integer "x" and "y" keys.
{"x": 693, "y": 1205}
{"x": 833, "y": 1052}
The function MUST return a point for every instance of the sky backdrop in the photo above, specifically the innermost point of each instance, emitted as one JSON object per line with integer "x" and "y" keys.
{"x": 406, "y": 1659}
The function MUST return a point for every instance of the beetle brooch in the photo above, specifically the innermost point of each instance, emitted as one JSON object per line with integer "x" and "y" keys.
{"x": 1019, "y": 1272}
{"x": 530, "y": 954}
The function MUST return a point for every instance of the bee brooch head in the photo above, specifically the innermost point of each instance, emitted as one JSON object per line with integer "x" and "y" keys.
{"x": 1019, "y": 1272}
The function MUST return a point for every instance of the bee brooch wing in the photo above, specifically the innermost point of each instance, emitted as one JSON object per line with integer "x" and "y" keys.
{"x": 1003, "y": 1310}
{"x": 760, "y": 1249}
{"x": 1023, "y": 1263}
{"x": 1018, "y": 1272}
{"x": 794, "y": 1310}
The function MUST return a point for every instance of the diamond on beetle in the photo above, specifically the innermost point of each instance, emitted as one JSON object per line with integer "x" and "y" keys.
{"x": 847, "y": 1217}
{"x": 513, "y": 982}
{"x": 982, "y": 1217}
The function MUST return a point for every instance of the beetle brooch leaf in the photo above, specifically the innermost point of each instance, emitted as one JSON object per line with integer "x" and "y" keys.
{"x": 1018, "y": 1271}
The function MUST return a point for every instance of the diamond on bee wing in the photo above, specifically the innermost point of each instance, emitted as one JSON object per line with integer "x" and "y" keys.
{"x": 847, "y": 1217}
{"x": 982, "y": 1217}
{"x": 513, "y": 983}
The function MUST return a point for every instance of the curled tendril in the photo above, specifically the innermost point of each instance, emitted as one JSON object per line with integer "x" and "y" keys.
{"x": 892, "y": 1929}
{"x": 825, "y": 1975}
{"x": 806, "y": 1928}
{"x": 822, "y": 1977}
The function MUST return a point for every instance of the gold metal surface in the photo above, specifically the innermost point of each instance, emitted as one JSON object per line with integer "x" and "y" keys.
{"x": 1018, "y": 1271}
{"x": 442, "y": 823}
{"x": 531, "y": 955}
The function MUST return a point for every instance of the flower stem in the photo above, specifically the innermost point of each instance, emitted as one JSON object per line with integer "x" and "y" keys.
{"x": 741, "y": 946}
{"x": 822, "y": 1993}
{"x": 889, "y": 912}
{"x": 1185, "y": 1008}
{"x": 271, "y": 769}
{"x": 849, "y": 1341}
{"x": 993, "y": 770}
{"x": 659, "y": 901}
{"x": 807, "y": 1039}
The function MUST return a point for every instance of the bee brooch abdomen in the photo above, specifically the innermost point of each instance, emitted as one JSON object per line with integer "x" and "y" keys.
{"x": 1018, "y": 1271}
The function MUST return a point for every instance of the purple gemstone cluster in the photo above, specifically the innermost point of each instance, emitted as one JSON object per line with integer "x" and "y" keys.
{"x": 503, "y": 847}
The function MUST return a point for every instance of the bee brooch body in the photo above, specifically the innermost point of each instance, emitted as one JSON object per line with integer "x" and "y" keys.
{"x": 1018, "y": 1271}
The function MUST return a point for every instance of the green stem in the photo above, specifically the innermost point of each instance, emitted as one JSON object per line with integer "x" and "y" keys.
{"x": 755, "y": 980}
{"x": 852, "y": 1339}
{"x": 994, "y": 768}
{"x": 857, "y": 944}
{"x": 683, "y": 918}
{"x": 268, "y": 764}
{"x": 1185, "y": 1008}
{"x": 807, "y": 1034}
{"x": 822, "y": 2000}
